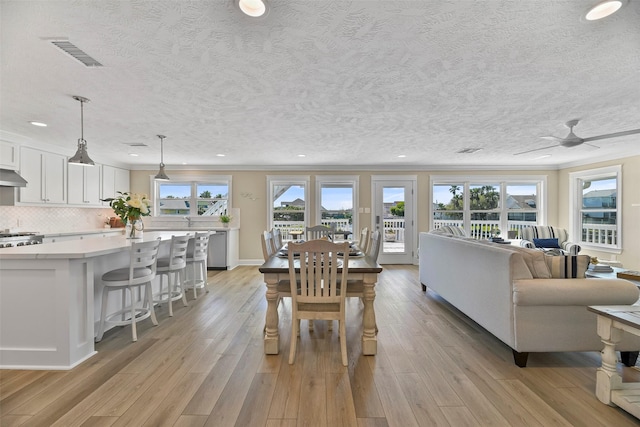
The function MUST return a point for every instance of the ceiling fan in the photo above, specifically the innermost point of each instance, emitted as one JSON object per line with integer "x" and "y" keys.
{"x": 572, "y": 140}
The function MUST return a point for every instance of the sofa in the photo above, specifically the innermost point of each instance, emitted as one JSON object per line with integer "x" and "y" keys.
{"x": 509, "y": 291}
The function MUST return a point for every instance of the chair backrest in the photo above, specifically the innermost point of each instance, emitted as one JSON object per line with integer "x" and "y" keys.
{"x": 363, "y": 243}
{"x": 373, "y": 248}
{"x": 143, "y": 259}
{"x": 198, "y": 250}
{"x": 268, "y": 247}
{"x": 277, "y": 238}
{"x": 317, "y": 232}
{"x": 318, "y": 264}
{"x": 544, "y": 232}
{"x": 178, "y": 252}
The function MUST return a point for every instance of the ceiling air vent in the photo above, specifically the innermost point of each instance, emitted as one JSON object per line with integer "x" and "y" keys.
{"x": 468, "y": 150}
{"x": 135, "y": 144}
{"x": 76, "y": 53}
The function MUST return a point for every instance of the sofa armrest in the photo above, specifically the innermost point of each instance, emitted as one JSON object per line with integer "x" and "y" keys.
{"x": 527, "y": 244}
{"x": 582, "y": 292}
{"x": 571, "y": 248}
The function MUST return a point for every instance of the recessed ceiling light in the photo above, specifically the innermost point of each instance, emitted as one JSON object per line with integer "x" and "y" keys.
{"x": 402, "y": 156}
{"x": 220, "y": 155}
{"x": 134, "y": 154}
{"x": 544, "y": 156}
{"x": 603, "y": 9}
{"x": 253, "y": 8}
{"x": 302, "y": 155}
{"x": 43, "y": 125}
{"x": 184, "y": 163}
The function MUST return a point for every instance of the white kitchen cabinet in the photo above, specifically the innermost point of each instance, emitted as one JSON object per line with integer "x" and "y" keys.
{"x": 8, "y": 155}
{"x": 84, "y": 185}
{"x": 46, "y": 175}
{"x": 114, "y": 180}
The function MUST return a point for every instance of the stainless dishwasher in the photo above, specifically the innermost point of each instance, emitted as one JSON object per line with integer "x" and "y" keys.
{"x": 217, "y": 257}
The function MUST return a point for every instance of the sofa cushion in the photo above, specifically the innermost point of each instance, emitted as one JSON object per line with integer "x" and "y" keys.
{"x": 535, "y": 261}
{"x": 546, "y": 243}
{"x": 568, "y": 266}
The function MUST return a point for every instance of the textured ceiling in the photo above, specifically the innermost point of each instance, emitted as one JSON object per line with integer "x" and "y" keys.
{"x": 347, "y": 83}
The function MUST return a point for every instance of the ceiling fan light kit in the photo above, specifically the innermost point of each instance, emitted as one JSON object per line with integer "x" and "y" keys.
{"x": 81, "y": 157}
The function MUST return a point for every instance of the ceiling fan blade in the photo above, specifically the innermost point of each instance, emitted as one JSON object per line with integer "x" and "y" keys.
{"x": 611, "y": 135}
{"x": 536, "y": 149}
{"x": 591, "y": 145}
{"x": 553, "y": 138}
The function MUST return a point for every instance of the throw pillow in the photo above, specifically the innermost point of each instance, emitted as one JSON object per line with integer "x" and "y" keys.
{"x": 568, "y": 266}
{"x": 535, "y": 260}
{"x": 546, "y": 243}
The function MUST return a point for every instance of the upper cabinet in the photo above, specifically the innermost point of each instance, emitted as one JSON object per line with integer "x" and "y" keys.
{"x": 46, "y": 174}
{"x": 114, "y": 180}
{"x": 8, "y": 155}
{"x": 84, "y": 185}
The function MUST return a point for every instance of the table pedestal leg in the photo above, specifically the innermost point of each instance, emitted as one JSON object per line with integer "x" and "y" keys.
{"x": 369, "y": 339}
{"x": 607, "y": 377}
{"x": 271, "y": 336}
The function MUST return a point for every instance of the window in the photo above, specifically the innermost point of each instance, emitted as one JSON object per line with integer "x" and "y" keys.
{"x": 205, "y": 197}
{"x": 288, "y": 207}
{"x": 595, "y": 208}
{"x": 482, "y": 205}
{"x": 336, "y": 199}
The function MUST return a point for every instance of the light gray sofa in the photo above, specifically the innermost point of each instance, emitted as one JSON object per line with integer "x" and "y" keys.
{"x": 506, "y": 290}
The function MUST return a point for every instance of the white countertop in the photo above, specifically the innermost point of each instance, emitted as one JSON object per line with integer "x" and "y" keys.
{"x": 85, "y": 248}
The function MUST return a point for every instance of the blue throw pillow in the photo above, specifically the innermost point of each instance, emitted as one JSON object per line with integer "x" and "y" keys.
{"x": 546, "y": 243}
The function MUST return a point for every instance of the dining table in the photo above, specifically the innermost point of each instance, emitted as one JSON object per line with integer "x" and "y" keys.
{"x": 362, "y": 269}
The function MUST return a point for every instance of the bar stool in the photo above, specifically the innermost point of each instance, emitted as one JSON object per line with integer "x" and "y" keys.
{"x": 174, "y": 267}
{"x": 140, "y": 272}
{"x": 197, "y": 259}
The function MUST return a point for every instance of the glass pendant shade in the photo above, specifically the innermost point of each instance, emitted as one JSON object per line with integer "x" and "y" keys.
{"x": 161, "y": 175}
{"x": 81, "y": 157}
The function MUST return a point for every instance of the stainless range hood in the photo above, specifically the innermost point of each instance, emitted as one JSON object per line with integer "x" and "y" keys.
{"x": 10, "y": 178}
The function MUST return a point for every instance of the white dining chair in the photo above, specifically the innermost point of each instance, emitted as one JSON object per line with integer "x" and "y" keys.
{"x": 314, "y": 278}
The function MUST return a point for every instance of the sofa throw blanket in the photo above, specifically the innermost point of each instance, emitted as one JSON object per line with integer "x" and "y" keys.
{"x": 568, "y": 266}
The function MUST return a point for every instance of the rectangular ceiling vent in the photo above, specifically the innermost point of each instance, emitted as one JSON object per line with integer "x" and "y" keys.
{"x": 468, "y": 150}
{"x": 135, "y": 144}
{"x": 76, "y": 53}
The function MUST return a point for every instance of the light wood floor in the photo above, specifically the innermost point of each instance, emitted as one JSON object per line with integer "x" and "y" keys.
{"x": 206, "y": 367}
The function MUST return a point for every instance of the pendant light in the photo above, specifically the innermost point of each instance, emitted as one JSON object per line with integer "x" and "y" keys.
{"x": 161, "y": 175}
{"x": 81, "y": 157}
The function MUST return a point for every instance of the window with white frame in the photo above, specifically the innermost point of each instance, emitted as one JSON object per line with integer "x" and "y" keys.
{"x": 596, "y": 214}
{"x": 200, "y": 197}
{"x": 336, "y": 202}
{"x": 288, "y": 207}
{"x": 484, "y": 205}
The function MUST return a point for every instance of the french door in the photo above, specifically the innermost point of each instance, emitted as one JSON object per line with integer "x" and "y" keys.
{"x": 393, "y": 213}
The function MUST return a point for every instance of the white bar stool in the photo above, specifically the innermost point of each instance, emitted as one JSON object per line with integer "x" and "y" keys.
{"x": 197, "y": 259}
{"x": 173, "y": 267}
{"x": 140, "y": 272}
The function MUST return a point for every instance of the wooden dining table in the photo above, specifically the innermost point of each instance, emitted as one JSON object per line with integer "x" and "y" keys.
{"x": 361, "y": 268}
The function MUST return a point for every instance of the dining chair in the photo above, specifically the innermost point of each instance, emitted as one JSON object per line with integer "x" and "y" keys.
{"x": 314, "y": 277}
{"x": 174, "y": 267}
{"x": 197, "y": 258}
{"x": 364, "y": 240}
{"x": 277, "y": 238}
{"x": 318, "y": 232}
{"x": 268, "y": 245}
{"x": 373, "y": 247}
{"x": 138, "y": 274}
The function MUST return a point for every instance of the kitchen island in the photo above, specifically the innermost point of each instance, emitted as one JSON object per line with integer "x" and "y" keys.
{"x": 49, "y": 294}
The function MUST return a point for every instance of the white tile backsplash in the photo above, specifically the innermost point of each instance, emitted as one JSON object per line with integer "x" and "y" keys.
{"x": 52, "y": 220}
